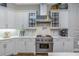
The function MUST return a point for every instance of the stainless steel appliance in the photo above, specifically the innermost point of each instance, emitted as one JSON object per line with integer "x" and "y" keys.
{"x": 44, "y": 44}
{"x": 63, "y": 32}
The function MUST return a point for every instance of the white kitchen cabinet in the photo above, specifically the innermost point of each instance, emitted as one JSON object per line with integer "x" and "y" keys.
{"x": 30, "y": 45}
{"x": 18, "y": 21}
{"x": 68, "y": 44}
{"x": 21, "y": 19}
{"x": 2, "y": 17}
{"x": 10, "y": 47}
{"x": 2, "y": 50}
{"x": 58, "y": 45}
{"x": 20, "y": 45}
{"x": 73, "y": 19}
{"x": 63, "y": 18}
{"x": 10, "y": 18}
{"x": 25, "y": 19}
{"x": 7, "y": 47}
{"x": 63, "y": 45}
{"x": 7, "y": 17}
{"x": 25, "y": 45}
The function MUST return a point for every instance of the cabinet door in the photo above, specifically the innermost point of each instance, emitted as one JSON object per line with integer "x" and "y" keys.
{"x": 20, "y": 45}
{"x": 25, "y": 19}
{"x": 9, "y": 47}
{"x": 30, "y": 45}
{"x": 2, "y": 17}
{"x": 21, "y": 19}
{"x": 58, "y": 45}
{"x": 63, "y": 18}
{"x": 2, "y": 50}
{"x": 11, "y": 18}
{"x": 18, "y": 21}
{"x": 68, "y": 45}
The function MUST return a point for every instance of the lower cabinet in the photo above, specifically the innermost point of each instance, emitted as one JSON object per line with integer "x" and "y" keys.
{"x": 68, "y": 45}
{"x": 25, "y": 45}
{"x": 58, "y": 45}
{"x": 30, "y": 45}
{"x": 2, "y": 50}
{"x": 20, "y": 45}
{"x": 63, "y": 45}
{"x": 14, "y": 46}
{"x": 7, "y": 47}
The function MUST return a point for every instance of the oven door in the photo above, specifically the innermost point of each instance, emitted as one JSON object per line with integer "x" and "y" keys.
{"x": 44, "y": 47}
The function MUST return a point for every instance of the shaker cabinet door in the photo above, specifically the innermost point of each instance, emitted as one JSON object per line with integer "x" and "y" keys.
{"x": 20, "y": 45}
{"x": 63, "y": 18}
{"x": 2, "y": 17}
{"x": 58, "y": 45}
{"x": 68, "y": 45}
{"x": 30, "y": 45}
{"x": 10, "y": 47}
{"x": 21, "y": 19}
{"x": 2, "y": 50}
{"x": 11, "y": 18}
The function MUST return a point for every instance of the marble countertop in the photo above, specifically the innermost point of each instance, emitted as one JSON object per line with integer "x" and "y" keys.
{"x": 17, "y": 37}
{"x": 30, "y": 37}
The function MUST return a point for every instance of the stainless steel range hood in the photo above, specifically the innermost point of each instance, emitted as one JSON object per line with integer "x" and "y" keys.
{"x": 42, "y": 11}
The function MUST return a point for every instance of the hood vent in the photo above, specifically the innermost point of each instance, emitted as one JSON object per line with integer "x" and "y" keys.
{"x": 42, "y": 11}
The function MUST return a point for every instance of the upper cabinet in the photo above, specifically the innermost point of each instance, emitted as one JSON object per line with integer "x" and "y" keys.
{"x": 25, "y": 18}
{"x": 59, "y": 15}
{"x": 10, "y": 18}
{"x": 21, "y": 19}
{"x": 7, "y": 17}
{"x": 63, "y": 18}
{"x": 3, "y": 17}
{"x": 32, "y": 18}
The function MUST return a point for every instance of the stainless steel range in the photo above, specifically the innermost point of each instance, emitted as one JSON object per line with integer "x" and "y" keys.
{"x": 44, "y": 43}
